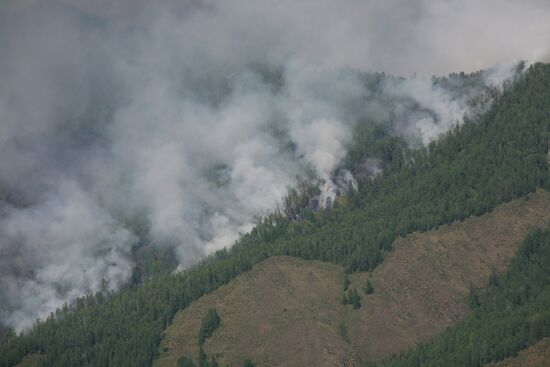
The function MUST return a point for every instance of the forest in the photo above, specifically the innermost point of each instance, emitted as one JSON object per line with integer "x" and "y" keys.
{"x": 484, "y": 162}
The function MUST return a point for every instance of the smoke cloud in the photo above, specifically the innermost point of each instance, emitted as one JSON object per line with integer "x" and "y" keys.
{"x": 196, "y": 117}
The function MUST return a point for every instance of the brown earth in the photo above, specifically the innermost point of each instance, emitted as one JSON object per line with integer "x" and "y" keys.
{"x": 287, "y": 311}
{"x": 537, "y": 355}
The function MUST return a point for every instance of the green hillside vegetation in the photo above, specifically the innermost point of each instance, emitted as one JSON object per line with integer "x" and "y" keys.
{"x": 511, "y": 315}
{"x": 468, "y": 172}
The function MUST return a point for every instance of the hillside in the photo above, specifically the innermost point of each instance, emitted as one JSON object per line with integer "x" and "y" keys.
{"x": 510, "y": 315}
{"x": 288, "y": 312}
{"x": 468, "y": 172}
{"x": 285, "y": 311}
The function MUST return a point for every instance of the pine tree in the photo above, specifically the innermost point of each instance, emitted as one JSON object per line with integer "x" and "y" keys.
{"x": 346, "y": 282}
{"x": 203, "y": 360}
{"x": 209, "y": 323}
{"x": 345, "y": 299}
{"x": 369, "y": 289}
{"x": 474, "y": 298}
{"x": 493, "y": 279}
{"x": 185, "y": 361}
{"x": 355, "y": 300}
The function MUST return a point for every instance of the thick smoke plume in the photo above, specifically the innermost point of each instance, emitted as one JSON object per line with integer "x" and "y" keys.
{"x": 194, "y": 118}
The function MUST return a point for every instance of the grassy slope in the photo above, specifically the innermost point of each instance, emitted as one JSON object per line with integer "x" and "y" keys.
{"x": 511, "y": 315}
{"x": 423, "y": 283}
{"x": 287, "y": 311}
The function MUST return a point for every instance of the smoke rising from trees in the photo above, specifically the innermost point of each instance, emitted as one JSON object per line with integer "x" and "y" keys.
{"x": 195, "y": 117}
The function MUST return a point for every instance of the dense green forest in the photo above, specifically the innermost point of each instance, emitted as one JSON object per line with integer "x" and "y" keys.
{"x": 498, "y": 157}
{"x": 513, "y": 313}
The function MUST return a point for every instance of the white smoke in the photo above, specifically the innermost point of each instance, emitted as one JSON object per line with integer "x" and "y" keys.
{"x": 501, "y": 72}
{"x": 323, "y": 144}
{"x": 199, "y": 115}
{"x": 71, "y": 247}
{"x": 445, "y": 111}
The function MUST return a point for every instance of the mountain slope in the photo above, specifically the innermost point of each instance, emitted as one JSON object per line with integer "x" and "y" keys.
{"x": 285, "y": 311}
{"x": 512, "y": 314}
{"x": 468, "y": 172}
{"x": 425, "y": 281}
{"x": 288, "y": 312}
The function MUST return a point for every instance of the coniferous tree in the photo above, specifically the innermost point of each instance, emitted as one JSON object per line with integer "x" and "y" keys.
{"x": 369, "y": 289}
{"x": 354, "y": 299}
{"x": 346, "y": 282}
{"x": 473, "y": 299}
{"x": 345, "y": 298}
{"x": 185, "y": 361}
{"x": 493, "y": 279}
{"x": 210, "y": 322}
{"x": 203, "y": 359}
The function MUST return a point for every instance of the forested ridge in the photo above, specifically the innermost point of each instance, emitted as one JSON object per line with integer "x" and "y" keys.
{"x": 475, "y": 167}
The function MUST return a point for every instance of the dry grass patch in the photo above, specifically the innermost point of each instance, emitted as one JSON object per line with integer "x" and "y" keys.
{"x": 284, "y": 312}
